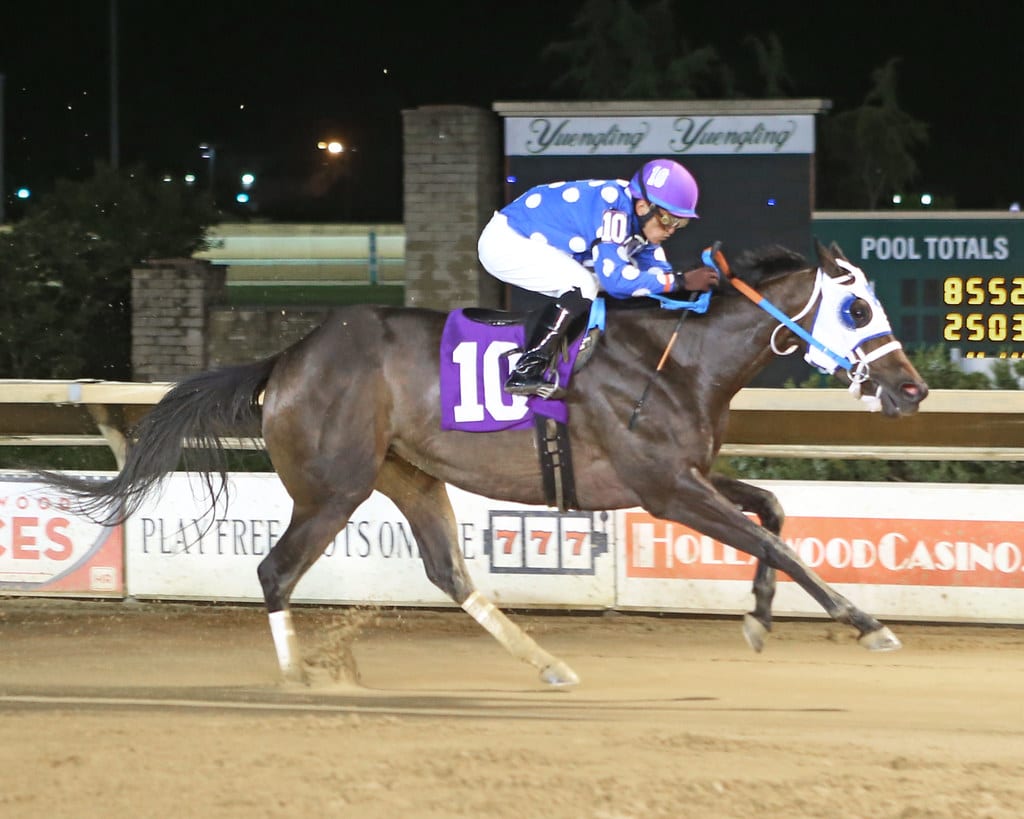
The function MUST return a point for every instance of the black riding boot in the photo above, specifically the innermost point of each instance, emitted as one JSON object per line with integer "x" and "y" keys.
{"x": 552, "y": 325}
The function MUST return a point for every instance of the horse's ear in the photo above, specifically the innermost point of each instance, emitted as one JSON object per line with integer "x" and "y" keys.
{"x": 826, "y": 260}
{"x": 837, "y": 251}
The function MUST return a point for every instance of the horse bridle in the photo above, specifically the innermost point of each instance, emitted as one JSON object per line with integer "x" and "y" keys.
{"x": 858, "y": 370}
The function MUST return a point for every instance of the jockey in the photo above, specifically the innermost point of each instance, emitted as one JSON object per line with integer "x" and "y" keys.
{"x": 571, "y": 240}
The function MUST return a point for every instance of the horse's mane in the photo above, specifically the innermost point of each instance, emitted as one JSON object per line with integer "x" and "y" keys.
{"x": 760, "y": 265}
{"x": 753, "y": 266}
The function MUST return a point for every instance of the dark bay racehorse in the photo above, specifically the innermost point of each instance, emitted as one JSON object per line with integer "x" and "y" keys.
{"x": 354, "y": 407}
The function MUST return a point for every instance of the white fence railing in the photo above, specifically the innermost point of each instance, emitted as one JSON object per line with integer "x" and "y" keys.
{"x": 308, "y": 255}
{"x": 800, "y": 423}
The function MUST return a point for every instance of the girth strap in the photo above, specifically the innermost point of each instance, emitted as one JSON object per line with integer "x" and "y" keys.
{"x": 556, "y": 463}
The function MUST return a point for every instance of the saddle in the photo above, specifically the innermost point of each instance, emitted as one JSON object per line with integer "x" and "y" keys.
{"x": 475, "y": 347}
{"x": 583, "y": 340}
{"x": 495, "y": 317}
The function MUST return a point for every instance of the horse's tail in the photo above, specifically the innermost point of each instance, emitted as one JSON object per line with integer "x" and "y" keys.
{"x": 184, "y": 428}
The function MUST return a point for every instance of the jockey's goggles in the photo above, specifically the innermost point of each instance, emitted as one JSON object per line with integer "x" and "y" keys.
{"x": 667, "y": 220}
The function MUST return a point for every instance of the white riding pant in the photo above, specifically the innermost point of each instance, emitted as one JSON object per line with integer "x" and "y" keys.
{"x": 531, "y": 264}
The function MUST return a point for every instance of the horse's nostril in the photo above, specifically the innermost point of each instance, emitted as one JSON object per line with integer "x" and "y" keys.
{"x": 914, "y": 392}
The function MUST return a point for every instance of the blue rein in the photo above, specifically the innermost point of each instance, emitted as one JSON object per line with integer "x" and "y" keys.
{"x": 717, "y": 260}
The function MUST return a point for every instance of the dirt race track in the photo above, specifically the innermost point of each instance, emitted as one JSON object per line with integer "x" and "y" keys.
{"x": 167, "y": 710}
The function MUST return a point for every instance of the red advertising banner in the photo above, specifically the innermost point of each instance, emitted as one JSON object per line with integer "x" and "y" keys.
{"x": 882, "y": 551}
{"x": 46, "y": 549}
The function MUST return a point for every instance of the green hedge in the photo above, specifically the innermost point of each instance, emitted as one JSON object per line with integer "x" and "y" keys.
{"x": 940, "y": 373}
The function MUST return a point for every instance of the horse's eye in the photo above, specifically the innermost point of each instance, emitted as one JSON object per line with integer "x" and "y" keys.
{"x": 860, "y": 313}
{"x": 856, "y": 313}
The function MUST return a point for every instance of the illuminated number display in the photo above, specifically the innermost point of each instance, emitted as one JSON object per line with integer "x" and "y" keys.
{"x": 986, "y": 311}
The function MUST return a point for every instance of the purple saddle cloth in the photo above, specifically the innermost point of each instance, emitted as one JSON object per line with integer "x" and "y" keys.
{"x": 473, "y": 373}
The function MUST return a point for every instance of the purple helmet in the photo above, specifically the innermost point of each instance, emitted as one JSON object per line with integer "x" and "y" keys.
{"x": 667, "y": 184}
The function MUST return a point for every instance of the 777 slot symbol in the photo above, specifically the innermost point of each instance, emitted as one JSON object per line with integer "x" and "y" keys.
{"x": 543, "y": 542}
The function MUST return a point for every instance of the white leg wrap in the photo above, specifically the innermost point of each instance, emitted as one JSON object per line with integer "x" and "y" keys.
{"x": 517, "y": 642}
{"x": 286, "y": 644}
{"x": 483, "y": 610}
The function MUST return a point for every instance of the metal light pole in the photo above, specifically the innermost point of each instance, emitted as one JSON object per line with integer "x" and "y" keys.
{"x": 209, "y": 152}
{"x": 3, "y": 189}
{"x": 115, "y": 147}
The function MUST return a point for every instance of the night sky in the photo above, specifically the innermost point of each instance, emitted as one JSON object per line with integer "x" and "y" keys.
{"x": 264, "y": 81}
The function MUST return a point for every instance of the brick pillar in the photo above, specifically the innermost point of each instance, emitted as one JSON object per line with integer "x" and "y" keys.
{"x": 170, "y": 301}
{"x": 452, "y": 156}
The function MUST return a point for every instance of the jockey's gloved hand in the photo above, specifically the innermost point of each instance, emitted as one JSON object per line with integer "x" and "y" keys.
{"x": 699, "y": 279}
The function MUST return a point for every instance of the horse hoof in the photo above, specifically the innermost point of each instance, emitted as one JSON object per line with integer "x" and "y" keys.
{"x": 881, "y": 639}
{"x": 559, "y": 675}
{"x": 754, "y": 632}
